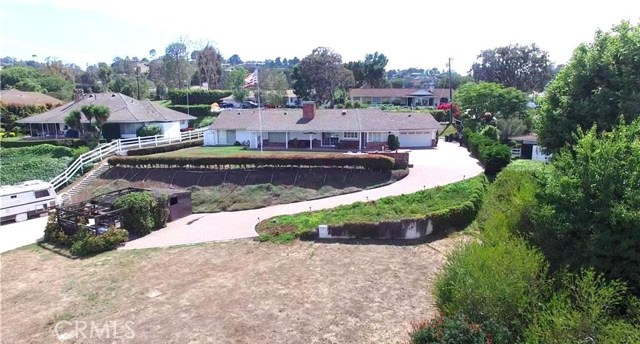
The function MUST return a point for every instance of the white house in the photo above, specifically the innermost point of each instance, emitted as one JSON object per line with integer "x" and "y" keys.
{"x": 529, "y": 148}
{"x": 310, "y": 128}
{"x": 126, "y": 117}
{"x": 431, "y": 97}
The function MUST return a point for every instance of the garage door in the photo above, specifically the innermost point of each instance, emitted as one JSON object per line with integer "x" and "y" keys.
{"x": 415, "y": 139}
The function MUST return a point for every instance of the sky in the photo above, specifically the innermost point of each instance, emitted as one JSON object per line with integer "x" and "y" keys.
{"x": 420, "y": 33}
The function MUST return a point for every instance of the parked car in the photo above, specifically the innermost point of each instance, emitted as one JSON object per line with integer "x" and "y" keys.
{"x": 248, "y": 104}
{"x": 226, "y": 105}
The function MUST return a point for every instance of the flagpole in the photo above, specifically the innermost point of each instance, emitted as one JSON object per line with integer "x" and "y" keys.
{"x": 259, "y": 111}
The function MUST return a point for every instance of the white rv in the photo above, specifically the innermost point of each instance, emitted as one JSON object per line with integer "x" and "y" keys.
{"x": 19, "y": 202}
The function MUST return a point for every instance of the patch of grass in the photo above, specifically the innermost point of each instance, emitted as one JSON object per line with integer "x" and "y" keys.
{"x": 204, "y": 121}
{"x": 165, "y": 102}
{"x": 287, "y": 227}
{"x": 226, "y": 151}
{"x": 232, "y": 197}
{"x": 36, "y": 162}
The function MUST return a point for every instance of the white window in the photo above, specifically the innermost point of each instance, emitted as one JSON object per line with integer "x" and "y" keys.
{"x": 350, "y": 135}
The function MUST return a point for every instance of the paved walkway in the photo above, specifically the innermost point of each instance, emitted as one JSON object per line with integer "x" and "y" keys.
{"x": 432, "y": 167}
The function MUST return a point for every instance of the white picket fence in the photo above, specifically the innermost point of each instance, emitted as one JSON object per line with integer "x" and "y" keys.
{"x": 108, "y": 149}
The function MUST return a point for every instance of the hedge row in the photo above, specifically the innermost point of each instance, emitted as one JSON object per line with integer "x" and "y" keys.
{"x": 193, "y": 110}
{"x": 179, "y": 97}
{"x": 165, "y": 148}
{"x": 75, "y": 143}
{"x": 454, "y": 218}
{"x": 368, "y": 162}
{"x": 493, "y": 155}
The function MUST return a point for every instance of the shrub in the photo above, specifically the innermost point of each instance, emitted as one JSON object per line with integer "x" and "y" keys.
{"x": 165, "y": 148}
{"x": 53, "y": 233}
{"x": 440, "y": 115}
{"x": 492, "y": 154}
{"x": 509, "y": 202}
{"x": 451, "y": 206}
{"x": 348, "y": 104}
{"x": 490, "y": 132}
{"x": 87, "y": 243}
{"x": 149, "y": 130}
{"x": 588, "y": 206}
{"x": 393, "y": 142}
{"x": 369, "y": 161}
{"x": 501, "y": 282}
{"x": 179, "y": 97}
{"x": 357, "y": 105}
{"x": 495, "y": 157}
{"x": 137, "y": 212}
{"x": 444, "y": 330}
{"x": 583, "y": 310}
{"x": 193, "y": 110}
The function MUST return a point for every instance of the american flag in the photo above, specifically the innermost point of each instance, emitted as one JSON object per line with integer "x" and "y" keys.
{"x": 251, "y": 80}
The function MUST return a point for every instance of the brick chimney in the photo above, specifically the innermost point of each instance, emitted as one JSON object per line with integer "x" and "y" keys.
{"x": 308, "y": 110}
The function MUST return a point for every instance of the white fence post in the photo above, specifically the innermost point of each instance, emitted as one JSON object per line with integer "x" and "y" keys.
{"x": 155, "y": 139}
{"x": 139, "y": 144}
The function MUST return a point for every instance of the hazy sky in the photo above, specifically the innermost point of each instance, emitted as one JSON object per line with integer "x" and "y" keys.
{"x": 410, "y": 33}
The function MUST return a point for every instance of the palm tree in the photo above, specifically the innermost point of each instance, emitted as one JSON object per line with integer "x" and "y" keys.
{"x": 98, "y": 113}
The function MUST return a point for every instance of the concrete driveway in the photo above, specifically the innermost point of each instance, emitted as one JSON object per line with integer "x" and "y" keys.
{"x": 432, "y": 167}
{"x": 14, "y": 235}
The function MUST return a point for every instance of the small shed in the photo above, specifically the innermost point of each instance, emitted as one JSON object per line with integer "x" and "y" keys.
{"x": 99, "y": 212}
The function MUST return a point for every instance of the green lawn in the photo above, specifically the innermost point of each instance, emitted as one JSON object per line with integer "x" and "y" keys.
{"x": 415, "y": 205}
{"x": 224, "y": 151}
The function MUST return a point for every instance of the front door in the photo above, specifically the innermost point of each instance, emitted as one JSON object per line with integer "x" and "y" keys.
{"x": 330, "y": 139}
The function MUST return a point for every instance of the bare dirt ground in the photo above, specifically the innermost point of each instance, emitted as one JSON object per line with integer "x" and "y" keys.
{"x": 228, "y": 292}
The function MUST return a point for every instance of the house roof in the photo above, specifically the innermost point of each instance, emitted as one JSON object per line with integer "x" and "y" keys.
{"x": 398, "y": 92}
{"x": 334, "y": 120}
{"x": 530, "y": 138}
{"x": 124, "y": 109}
{"x": 16, "y": 97}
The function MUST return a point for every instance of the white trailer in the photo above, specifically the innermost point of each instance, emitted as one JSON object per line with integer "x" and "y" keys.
{"x": 19, "y": 202}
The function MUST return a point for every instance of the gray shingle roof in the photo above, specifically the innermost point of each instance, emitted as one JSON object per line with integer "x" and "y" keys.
{"x": 324, "y": 120}
{"x": 124, "y": 109}
{"x": 16, "y": 97}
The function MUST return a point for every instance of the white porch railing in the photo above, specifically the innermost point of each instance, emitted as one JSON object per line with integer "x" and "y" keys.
{"x": 108, "y": 149}
{"x": 515, "y": 152}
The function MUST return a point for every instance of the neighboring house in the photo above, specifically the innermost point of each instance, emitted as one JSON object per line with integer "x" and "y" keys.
{"x": 291, "y": 99}
{"x": 127, "y": 116}
{"x": 528, "y": 148}
{"x": 311, "y": 128}
{"x": 431, "y": 97}
{"x": 21, "y": 98}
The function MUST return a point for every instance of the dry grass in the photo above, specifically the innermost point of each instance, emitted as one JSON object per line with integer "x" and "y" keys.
{"x": 235, "y": 292}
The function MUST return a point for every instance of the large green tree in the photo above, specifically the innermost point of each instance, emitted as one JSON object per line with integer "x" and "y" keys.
{"x": 526, "y": 68}
{"x": 502, "y": 102}
{"x": 236, "y": 83}
{"x": 324, "y": 72}
{"x": 177, "y": 70}
{"x": 370, "y": 72}
{"x": 589, "y": 205}
{"x": 600, "y": 85}
{"x": 209, "y": 63}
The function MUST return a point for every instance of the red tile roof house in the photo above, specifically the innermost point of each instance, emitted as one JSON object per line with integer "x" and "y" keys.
{"x": 311, "y": 128}
{"x": 431, "y": 97}
{"x": 127, "y": 116}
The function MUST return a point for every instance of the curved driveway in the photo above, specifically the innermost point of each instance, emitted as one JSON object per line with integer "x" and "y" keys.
{"x": 432, "y": 167}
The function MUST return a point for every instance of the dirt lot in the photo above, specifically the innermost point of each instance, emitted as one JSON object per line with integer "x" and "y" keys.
{"x": 233, "y": 292}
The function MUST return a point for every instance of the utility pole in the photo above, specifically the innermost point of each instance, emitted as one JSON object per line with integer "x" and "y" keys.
{"x": 138, "y": 78}
{"x": 450, "y": 95}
